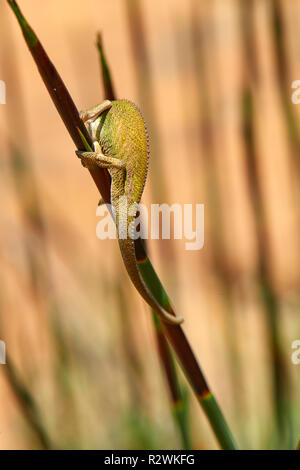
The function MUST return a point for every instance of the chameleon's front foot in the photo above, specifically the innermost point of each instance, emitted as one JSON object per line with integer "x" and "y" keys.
{"x": 84, "y": 161}
{"x": 94, "y": 159}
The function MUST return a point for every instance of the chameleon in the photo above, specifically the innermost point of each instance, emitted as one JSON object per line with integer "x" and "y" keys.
{"x": 121, "y": 144}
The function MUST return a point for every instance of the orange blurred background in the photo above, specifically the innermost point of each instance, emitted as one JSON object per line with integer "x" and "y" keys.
{"x": 213, "y": 80}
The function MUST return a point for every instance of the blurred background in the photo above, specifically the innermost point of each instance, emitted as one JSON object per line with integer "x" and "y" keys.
{"x": 213, "y": 80}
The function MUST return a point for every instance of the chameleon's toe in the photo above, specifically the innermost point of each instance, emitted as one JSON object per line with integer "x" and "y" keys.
{"x": 82, "y": 155}
{"x": 79, "y": 154}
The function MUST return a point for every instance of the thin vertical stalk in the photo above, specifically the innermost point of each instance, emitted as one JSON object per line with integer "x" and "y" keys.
{"x": 28, "y": 405}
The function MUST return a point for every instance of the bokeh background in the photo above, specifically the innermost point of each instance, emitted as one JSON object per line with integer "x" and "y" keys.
{"x": 213, "y": 80}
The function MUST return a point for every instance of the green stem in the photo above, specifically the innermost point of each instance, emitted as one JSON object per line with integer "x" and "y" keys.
{"x": 190, "y": 366}
{"x": 178, "y": 394}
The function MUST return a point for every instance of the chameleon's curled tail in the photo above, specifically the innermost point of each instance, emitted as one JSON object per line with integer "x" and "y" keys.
{"x": 128, "y": 254}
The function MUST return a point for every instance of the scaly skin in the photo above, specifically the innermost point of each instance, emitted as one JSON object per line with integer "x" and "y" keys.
{"x": 121, "y": 145}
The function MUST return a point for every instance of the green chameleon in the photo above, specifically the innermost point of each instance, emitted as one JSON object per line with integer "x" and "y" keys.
{"x": 120, "y": 143}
